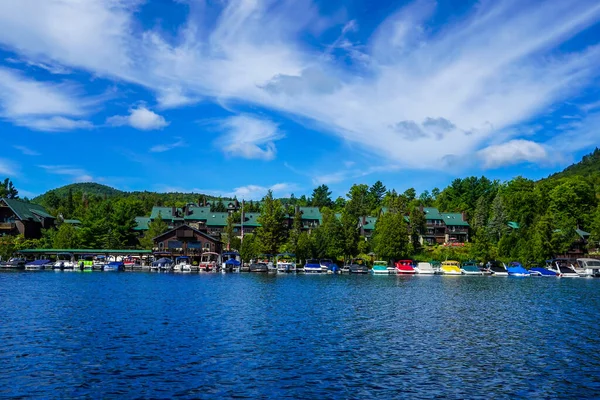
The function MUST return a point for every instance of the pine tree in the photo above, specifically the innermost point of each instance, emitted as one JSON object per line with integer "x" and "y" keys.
{"x": 8, "y": 190}
{"x": 481, "y": 214}
{"x": 497, "y": 225}
{"x": 271, "y": 232}
{"x": 155, "y": 228}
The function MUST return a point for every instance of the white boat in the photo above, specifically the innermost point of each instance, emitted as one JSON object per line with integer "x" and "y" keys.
{"x": 562, "y": 267}
{"x": 588, "y": 267}
{"x": 424, "y": 268}
{"x": 231, "y": 262}
{"x": 496, "y": 268}
{"x": 64, "y": 262}
{"x": 285, "y": 263}
{"x": 312, "y": 266}
{"x": 209, "y": 262}
{"x": 162, "y": 264}
{"x": 182, "y": 264}
{"x": 38, "y": 265}
{"x": 99, "y": 263}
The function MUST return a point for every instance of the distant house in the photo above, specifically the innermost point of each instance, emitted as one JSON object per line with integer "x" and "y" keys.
{"x": 20, "y": 217}
{"x": 457, "y": 227}
{"x": 186, "y": 241}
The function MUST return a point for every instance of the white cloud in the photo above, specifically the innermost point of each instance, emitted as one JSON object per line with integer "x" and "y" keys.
{"x": 139, "y": 118}
{"x": 249, "y": 137}
{"x": 513, "y": 152}
{"x": 160, "y": 148}
{"x": 76, "y": 174}
{"x": 27, "y": 151}
{"x": 7, "y": 168}
{"x": 49, "y": 67}
{"x": 248, "y": 192}
{"x": 53, "y": 124}
{"x": 482, "y": 73}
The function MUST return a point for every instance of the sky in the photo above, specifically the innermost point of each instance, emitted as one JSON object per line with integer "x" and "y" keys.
{"x": 235, "y": 97}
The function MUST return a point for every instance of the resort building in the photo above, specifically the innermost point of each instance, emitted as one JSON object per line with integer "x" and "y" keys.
{"x": 186, "y": 241}
{"x": 20, "y": 217}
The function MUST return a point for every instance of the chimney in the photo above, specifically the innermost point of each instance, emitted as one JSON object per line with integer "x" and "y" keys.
{"x": 173, "y": 212}
{"x": 464, "y": 216}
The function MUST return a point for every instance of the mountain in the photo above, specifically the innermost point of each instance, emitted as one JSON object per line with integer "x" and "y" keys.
{"x": 87, "y": 187}
{"x": 588, "y": 167}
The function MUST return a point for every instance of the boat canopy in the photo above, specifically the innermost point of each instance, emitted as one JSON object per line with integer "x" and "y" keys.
{"x": 233, "y": 261}
{"x": 312, "y": 261}
{"x": 115, "y": 264}
{"x": 163, "y": 261}
{"x": 517, "y": 268}
{"x": 380, "y": 263}
{"x": 39, "y": 262}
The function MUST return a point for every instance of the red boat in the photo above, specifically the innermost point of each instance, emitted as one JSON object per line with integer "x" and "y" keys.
{"x": 405, "y": 267}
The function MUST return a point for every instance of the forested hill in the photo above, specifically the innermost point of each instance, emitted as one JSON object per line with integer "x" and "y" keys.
{"x": 90, "y": 188}
{"x": 588, "y": 167}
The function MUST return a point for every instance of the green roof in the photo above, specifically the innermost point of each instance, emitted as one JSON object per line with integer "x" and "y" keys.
{"x": 27, "y": 211}
{"x": 432, "y": 213}
{"x": 217, "y": 219}
{"x": 581, "y": 233}
{"x": 251, "y": 219}
{"x": 513, "y": 224}
{"x": 141, "y": 223}
{"x": 311, "y": 213}
{"x": 370, "y": 223}
{"x": 83, "y": 251}
{"x": 197, "y": 213}
{"x": 165, "y": 213}
{"x": 454, "y": 219}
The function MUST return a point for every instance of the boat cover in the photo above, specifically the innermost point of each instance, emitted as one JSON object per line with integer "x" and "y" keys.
{"x": 232, "y": 261}
{"x": 163, "y": 261}
{"x": 517, "y": 269}
{"x": 115, "y": 264}
{"x": 542, "y": 271}
{"x": 39, "y": 262}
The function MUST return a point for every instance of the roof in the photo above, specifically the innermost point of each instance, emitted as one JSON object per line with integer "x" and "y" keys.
{"x": 83, "y": 251}
{"x": 141, "y": 223}
{"x": 27, "y": 211}
{"x": 165, "y": 212}
{"x": 370, "y": 223}
{"x": 251, "y": 219}
{"x": 454, "y": 219}
{"x": 581, "y": 233}
{"x": 432, "y": 213}
{"x": 311, "y": 213}
{"x": 217, "y": 219}
{"x": 197, "y": 213}
{"x": 513, "y": 224}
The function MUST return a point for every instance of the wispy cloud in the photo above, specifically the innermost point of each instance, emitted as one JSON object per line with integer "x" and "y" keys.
{"x": 53, "y": 124}
{"x": 249, "y": 137}
{"x": 139, "y": 118}
{"x": 160, "y": 148}
{"x": 76, "y": 174}
{"x": 49, "y": 67}
{"x": 27, "y": 151}
{"x": 7, "y": 168}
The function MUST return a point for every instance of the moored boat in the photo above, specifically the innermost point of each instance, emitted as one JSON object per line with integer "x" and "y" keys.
{"x": 470, "y": 268}
{"x": 382, "y": 268}
{"x": 312, "y": 266}
{"x": 38, "y": 265}
{"x": 424, "y": 268}
{"x": 13, "y": 263}
{"x": 496, "y": 268}
{"x": 230, "y": 262}
{"x": 405, "y": 267}
{"x": 64, "y": 262}
{"x": 209, "y": 261}
{"x": 325, "y": 263}
{"x": 541, "y": 271}
{"x": 182, "y": 264}
{"x": 86, "y": 262}
{"x": 285, "y": 263}
{"x": 588, "y": 267}
{"x": 450, "y": 267}
{"x": 358, "y": 266}
{"x": 162, "y": 264}
{"x": 259, "y": 267}
{"x": 562, "y": 267}
{"x": 515, "y": 268}
{"x": 113, "y": 266}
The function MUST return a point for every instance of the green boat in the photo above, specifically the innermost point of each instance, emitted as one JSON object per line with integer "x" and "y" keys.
{"x": 381, "y": 268}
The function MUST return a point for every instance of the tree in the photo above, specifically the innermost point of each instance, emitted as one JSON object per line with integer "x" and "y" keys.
{"x": 51, "y": 200}
{"x": 329, "y": 236}
{"x": 321, "y": 197}
{"x": 417, "y": 227}
{"x": 377, "y": 191}
{"x": 358, "y": 204}
{"x": 7, "y": 190}
{"x": 481, "y": 214}
{"x": 271, "y": 232}
{"x": 249, "y": 248}
{"x": 232, "y": 220}
{"x": 410, "y": 194}
{"x": 155, "y": 228}
{"x": 305, "y": 248}
{"x": 295, "y": 231}
{"x": 497, "y": 225}
{"x": 541, "y": 241}
{"x": 390, "y": 237}
{"x": 350, "y": 233}
{"x": 66, "y": 237}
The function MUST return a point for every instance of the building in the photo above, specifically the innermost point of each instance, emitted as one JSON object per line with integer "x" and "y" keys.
{"x": 435, "y": 228}
{"x": 186, "y": 241}
{"x": 457, "y": 228}
{"x": 19, "y": 217}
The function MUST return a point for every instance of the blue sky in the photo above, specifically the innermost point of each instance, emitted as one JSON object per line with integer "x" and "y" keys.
{"x": 236, "y": 97}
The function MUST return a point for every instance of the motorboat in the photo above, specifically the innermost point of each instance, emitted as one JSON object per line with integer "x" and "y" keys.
{"x": 182, "y": 264}
{"x": 114, "y": 266}
{"x": 86, "y": 262}
{"x": 325, "y": 263}
{"x": 562, "y": 267}
{"x": 64, "y": 262}
{"x": 333, "y": 268}
{"x": 382, "y": 268}
{"x": 450, "y": 267}
{"x": 230, "y": 262}
{"x": 405, "y": 267}
{"x": 38, "y": 265}
{"x": 132, "y": 262}
{"x": 259, "y": 267}
{"x": 424, "y": 268}
{"x": 470, "y": 268}
{"x": 541, "y": 271}
{"x": 312, "y": 266}
{"x": 13, "y": 263}
{"x": 496, "y": 268}
{"x": 285, "y": 263}
{"x": 209, "y": 261}
{"x": 588, "y": 267}
{"x": 162, "y": 264}
{"x": 99, "y": 263}
{"x": 358, "y": 266}
{"x": 515, "y": 268}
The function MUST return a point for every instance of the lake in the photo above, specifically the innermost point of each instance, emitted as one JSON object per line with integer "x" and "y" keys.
{"x": 152, "y": 335}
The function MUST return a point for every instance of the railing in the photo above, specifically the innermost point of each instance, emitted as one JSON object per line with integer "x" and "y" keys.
{"x": 7, "y": 225}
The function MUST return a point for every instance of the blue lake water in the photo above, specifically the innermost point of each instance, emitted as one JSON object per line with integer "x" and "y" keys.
{"x": 145, "y": 335}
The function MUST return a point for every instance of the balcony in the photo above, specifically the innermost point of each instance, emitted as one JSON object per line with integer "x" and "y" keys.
{"x": 7, "y": 226}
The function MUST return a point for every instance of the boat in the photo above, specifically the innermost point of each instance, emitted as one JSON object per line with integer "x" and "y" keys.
{"x": 64, "y": 262}
{"x": 382, "y": 268}
{"x": 541, "y": 271}
{"x": 132, "y": 262}
{"x": 515, "y": 268}
{"x": 285, "y": 263}
{"x": 496, "y": 268}
{"x": 470, "y": 268}
{"x": 424, "y": 268}
{"x": 312, "y": 266}
{"x": 358, "y": 266}
{"x": 209, "y": 261}
{"x": 182, "y": 264}
{"x": 325, "y": 262}
{"x": 562, "y": 267}
{"x": 230, "y": 262}
{"x": 38, "y": 265}
{"x": 99, "y": 263}
{"x": 588, "y": 267}
{"x": 405, "y": 267}
{"x": 450, "y": 267}
{"x": 86, "y": 262}
{"x": 162, "y": 264}
{"x": 259, "y": 267}
{"x": 113, "y": 266}
{"x": 13, "y": 263}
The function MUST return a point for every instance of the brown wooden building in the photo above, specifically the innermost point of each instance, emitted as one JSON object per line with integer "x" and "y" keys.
{"x": 19, "y": 217}
{"x": 186, "y": 241}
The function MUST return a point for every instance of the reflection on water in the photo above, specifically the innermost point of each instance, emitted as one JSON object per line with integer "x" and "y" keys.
{"x": 164, "y": 335}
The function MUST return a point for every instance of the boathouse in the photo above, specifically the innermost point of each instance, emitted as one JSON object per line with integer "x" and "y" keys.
{"x": 20, "y": 217}
{"x": 186, "y": 241}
